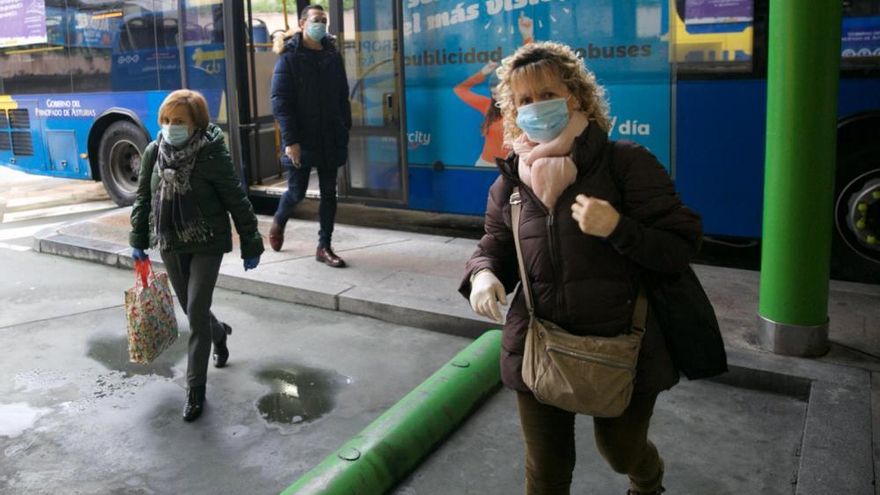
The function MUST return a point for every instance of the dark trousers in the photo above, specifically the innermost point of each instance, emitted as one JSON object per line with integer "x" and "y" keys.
{"x": 298, "y": 182}
{"x": 193, "y": 277}
{"x": 622, "y": 441}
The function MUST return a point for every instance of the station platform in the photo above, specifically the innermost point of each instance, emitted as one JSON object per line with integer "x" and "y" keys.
{"x": 774, "y": 424}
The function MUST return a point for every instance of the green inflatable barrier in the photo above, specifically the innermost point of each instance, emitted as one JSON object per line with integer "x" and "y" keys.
{"x": 389, "y": 448}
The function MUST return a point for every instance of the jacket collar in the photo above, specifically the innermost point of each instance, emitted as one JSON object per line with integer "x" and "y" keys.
{"x": 295, "y": 43}
{"x": 587, "y": 150}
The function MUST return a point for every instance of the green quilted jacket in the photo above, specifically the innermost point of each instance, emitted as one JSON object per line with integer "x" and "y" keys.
{"x": 218, "y": 193}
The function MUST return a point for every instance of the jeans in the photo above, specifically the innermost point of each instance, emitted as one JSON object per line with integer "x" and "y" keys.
{"x": 193, "y": 277}
{"x": 622, "y": 442}
{"x": 298, "y": 182}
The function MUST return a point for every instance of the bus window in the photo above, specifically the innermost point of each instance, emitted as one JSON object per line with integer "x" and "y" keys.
{"x": 166, "y": 32}
{"x": 91, "y": 45}
{"x": 36, "y": 64}
{"x": 136, "y": 34}
{"x": 145, "y": 50}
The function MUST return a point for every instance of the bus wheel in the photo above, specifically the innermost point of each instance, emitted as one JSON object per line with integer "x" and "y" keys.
{"x": 856, "y": 242}
{"x": 119, "y": 155}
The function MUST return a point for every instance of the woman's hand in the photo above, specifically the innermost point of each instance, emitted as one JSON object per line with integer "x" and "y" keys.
{"x": 486, "y": 292}
{"x": 594, "y": 216}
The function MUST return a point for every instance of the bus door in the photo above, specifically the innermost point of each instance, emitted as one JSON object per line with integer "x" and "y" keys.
{"x": 369, "y": 36}
{"x": 248, "y": 109}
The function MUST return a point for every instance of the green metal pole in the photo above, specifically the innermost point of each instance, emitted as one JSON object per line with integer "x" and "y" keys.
{"x": 802, "y": 78}
{"x": 388, "y": 449}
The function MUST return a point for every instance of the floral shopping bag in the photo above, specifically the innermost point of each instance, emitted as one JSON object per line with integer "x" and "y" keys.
{"x": 149, "y": 311}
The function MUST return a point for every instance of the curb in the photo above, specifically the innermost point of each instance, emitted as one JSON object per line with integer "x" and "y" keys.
{"x": 337, "y": 297}
{"x": 389, "y": 448}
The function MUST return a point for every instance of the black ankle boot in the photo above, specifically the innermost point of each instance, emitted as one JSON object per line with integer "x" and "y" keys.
{"x": 221, "y": 352}
{"x": 195, "y": 402}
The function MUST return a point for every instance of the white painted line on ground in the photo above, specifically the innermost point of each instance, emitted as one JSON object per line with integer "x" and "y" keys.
{"x": 14, "y": 247}
{"x": 18, "y": 233}
{"x": 58, "y": 210}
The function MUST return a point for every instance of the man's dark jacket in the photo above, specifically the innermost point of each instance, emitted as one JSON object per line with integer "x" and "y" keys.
{"x": 586, "y": 284}
{"x": 310, "y": 99}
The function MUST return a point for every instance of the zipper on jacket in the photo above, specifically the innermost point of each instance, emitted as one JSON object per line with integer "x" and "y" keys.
{"x": 589, "y": 357}
{"x": 557, "y": 278}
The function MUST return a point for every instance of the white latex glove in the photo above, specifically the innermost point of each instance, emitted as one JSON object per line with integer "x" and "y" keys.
{"x": 486, "y": 292}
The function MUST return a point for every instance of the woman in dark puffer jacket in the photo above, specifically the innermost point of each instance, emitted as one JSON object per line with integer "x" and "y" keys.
{"x": 187, "y": 189}
{"x": 594, "y": 215}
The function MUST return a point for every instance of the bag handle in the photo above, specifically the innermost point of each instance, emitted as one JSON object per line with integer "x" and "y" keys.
{"x": 515, "y": 213}
{"x": 142, "y": 271}
{"x": 640, "y": 312}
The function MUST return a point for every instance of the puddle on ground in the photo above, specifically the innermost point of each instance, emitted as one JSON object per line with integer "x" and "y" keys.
{"x": 112, "y": 352}
{"x": 299, "y": 394}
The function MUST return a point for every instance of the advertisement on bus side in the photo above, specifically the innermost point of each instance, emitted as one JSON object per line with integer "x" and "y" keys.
{"x": 24, "y": 22}
{"x": 452, "y": 48}
{"x": 860, "y": 37}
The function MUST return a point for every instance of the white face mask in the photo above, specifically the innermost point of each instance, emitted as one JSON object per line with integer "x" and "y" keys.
{"x": 175, "y": 134}
{"x": 544, "y": 120}
{"x": 316, "y": 30}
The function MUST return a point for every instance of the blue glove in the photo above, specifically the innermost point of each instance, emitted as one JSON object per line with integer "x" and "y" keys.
{"x": 251, "y": 263}
{"x": 139, "y": 254}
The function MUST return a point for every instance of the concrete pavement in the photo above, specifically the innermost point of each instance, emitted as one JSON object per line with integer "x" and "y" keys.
{"x": 773, "y": 425}
{"x": 77, "y": 417}
{"x": 26, "y": 197}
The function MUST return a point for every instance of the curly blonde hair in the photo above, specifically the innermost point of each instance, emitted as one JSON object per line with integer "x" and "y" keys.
{"x": 555, "y": 59}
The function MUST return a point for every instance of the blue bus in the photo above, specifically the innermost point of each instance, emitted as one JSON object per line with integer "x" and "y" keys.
{"x": 687, "y": 78}
{"x": 81, "y": 81}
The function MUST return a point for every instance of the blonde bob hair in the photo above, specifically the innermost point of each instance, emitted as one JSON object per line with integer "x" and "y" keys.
{"x": 549, "y": 59}
{"x": 193, "y": 101}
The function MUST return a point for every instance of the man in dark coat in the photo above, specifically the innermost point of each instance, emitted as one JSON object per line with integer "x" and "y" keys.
{"x": 310, "y": 103}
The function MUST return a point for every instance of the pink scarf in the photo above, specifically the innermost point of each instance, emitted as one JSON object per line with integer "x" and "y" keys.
{"x": 547, "y": 168}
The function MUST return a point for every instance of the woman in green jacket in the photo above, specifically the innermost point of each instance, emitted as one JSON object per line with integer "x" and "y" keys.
{"x": 187, "y": 188}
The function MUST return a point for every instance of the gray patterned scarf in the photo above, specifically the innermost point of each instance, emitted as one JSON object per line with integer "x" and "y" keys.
{"x": 176, "y": 216}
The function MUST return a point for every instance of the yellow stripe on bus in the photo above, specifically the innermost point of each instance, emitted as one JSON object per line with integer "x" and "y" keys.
{"x": 7, "y": 103}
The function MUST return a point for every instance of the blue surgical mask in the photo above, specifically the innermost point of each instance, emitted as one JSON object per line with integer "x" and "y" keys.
{"x": 175, "y": 134}
{"x": 316, "y": 30}
{"x": 544, "y": 120}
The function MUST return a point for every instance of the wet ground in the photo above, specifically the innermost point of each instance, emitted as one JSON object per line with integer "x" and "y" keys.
{"x": 76, "y": 415}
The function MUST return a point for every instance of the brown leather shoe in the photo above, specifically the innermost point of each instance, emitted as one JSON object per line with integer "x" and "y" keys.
{"x": 328, "y": 257}
{"x": 276, "y": 236}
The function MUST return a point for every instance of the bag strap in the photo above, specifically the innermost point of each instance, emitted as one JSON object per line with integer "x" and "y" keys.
{"x": 640, "y": 312}
{"x": 515, "y": 213}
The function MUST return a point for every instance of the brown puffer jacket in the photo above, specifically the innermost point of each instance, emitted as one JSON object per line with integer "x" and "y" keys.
{"x": 586, "y": 284}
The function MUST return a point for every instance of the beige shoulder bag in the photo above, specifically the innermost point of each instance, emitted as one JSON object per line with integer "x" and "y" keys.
{"x": 581, "y": 374}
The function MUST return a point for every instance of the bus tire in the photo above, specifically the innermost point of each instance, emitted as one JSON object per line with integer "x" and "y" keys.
{"x": 855, "y": 248}
{"x": 119, "y": 156}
